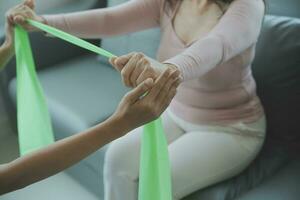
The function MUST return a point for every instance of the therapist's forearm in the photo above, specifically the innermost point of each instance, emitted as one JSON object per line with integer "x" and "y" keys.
{"x": 6, "y": 53}
{"x": 57, "y": 157}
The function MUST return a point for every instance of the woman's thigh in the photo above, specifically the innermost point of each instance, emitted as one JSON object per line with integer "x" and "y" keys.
{"x": 201, "y": 158}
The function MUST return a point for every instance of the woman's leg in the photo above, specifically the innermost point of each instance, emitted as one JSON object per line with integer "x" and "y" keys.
{"x": 121, "y": 167}
{"x": 206, "y": 156}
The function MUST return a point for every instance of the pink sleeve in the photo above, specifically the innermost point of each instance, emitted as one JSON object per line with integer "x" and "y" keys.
{"x": 131, "y": 16}
{"x": 237, "y": 30}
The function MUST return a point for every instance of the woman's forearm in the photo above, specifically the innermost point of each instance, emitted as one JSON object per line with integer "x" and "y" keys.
{"x": 127, "y": 17}
{"x": 58, "y": 156}
{"x": 6, "y": 53}
{"x": 236, "y": 31}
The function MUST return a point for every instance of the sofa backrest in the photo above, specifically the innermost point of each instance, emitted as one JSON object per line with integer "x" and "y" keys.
{"x": 277, "y": 72}
{"x": 144, "y": 41}
{"x": 289, "y": 8}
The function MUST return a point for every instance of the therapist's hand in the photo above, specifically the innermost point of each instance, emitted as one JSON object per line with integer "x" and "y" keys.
{"x": 137, "y": 67}
{"x": 147, "y": 101}
{"x": 20, "y": 13}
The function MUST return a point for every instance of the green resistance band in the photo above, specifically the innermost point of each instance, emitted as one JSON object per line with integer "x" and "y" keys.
{"x": 34, "y": 124}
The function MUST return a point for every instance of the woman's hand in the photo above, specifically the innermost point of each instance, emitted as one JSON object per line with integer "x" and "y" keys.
{"x": 7, "y": 49}
{"x": 147, "y": 101}
{"x": 136, "y": 68}
{"x": 20, "y": 13}
{"x": 9, "y": 37}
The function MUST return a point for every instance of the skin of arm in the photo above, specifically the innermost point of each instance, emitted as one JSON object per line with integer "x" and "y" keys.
{"x": 136, "y": 67}
{"x": 236, "y": 31}
{"x": 96, "y": 23}
{"x": 134, "y": 110}
{"x": 7, "y": 48}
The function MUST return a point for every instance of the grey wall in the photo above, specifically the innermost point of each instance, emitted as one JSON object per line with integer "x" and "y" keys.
{"x": 284, "y": 7}
{"x": 42, "y": 6}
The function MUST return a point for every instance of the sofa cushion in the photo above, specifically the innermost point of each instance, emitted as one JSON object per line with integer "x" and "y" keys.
{"x": 267, "y": 164}
{"x": 146, "y": 41}
{"x": 283, "y": 185}
{"x": 277, "y": 72}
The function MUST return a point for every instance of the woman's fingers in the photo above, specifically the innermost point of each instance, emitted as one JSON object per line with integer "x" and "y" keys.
{"x": 139, "y": 91}
{"x": 134, "y": 67}
{"x": 20, "y": 13}
{"x": 121, "y": 61}
{"x": 140, "y": 67}
{"x": 19, "y": 19}
{"x": 129, "y": 68}
{"x": 148, "y": 72}
{"x": 8, "y": 32}
{"x": 30, "y": 3}
{"x": 112, "y": 62}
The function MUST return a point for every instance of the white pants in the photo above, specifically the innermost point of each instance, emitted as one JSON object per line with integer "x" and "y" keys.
{"x": 200, "y": 155}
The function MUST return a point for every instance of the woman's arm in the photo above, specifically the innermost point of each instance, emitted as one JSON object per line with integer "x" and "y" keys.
{"x": 7, "y": 48}
{"x": 237, "y": 30}
{"x": 134, "y": 110}
{"x": 131, "y": 16}
{"x": 6, "y": 54}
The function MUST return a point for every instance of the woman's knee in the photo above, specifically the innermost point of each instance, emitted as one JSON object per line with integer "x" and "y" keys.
{"x": 122, "y": 155}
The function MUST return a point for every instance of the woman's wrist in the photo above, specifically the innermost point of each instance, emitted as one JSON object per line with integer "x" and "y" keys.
{"x": 6, "y": 53}
{"x": 171, "y": 66}
{"x": 8, "y": 48}
{"x": 42, "y": 19}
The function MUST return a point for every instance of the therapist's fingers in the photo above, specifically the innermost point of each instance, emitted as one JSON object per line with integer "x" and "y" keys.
{"x": 139, "y": 91}
{"x": 158, "y": 85}
{"x": 173, "y": 81}
{"x": 166, "y": 101}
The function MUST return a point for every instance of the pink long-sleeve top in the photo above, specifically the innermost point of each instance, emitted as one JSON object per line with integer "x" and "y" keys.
{"x": 218, "y": 84}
